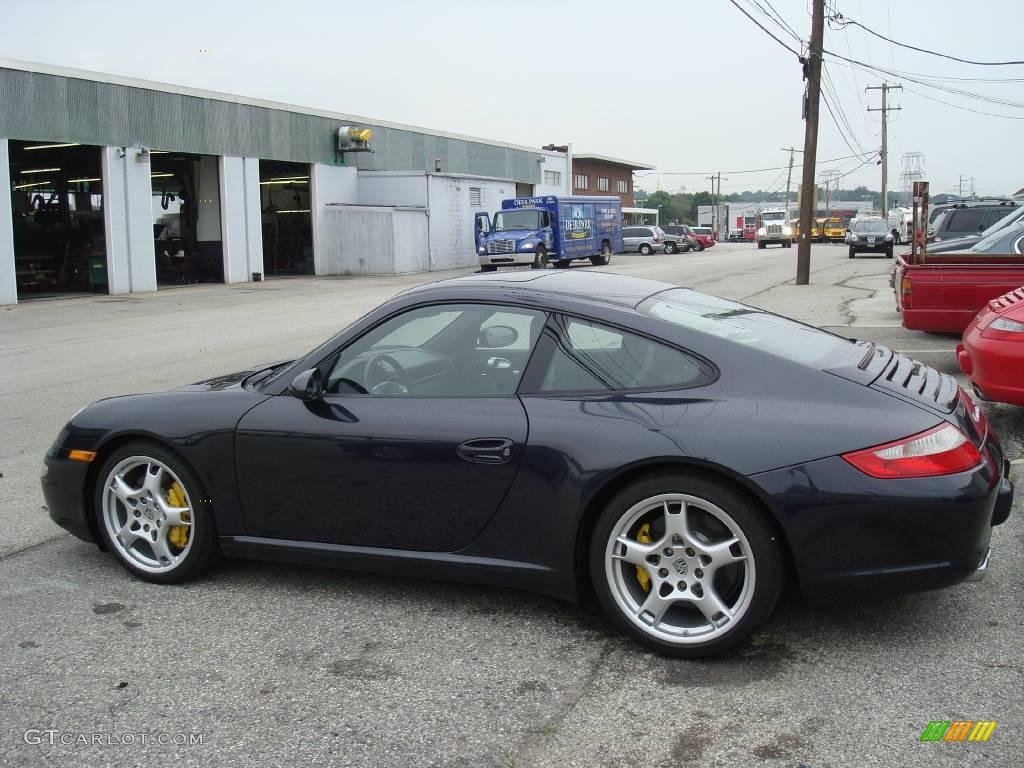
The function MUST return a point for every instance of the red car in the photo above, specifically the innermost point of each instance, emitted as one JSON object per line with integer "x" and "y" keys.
{"x": 704, "y": 236}
{"x": 992, "y": 351}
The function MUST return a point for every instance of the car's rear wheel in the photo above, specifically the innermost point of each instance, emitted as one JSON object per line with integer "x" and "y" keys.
{"x": 686, "y": 564}
{"x": 154, "y": 513}
{"x": 646, "y": 250}
{"x": 540, "y": 257}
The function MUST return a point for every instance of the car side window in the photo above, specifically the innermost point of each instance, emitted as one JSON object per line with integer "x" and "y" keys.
{"x": 586, "y": 356}
{"x": 445, "y": 350}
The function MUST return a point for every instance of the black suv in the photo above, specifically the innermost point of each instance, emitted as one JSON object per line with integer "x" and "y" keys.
{"x": 968, "y": 218}
{"x": 870, "y": 235}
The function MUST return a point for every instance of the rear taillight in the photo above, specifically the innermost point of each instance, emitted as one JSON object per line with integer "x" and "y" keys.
{"x": 905, "y": 291}
{"x": 657, "y": 239}
{"x": 943, "y": 450}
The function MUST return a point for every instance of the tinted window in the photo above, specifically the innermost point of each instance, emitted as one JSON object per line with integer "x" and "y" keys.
{"x": 447, "y": 350}
{"x": 588, "y": 356}
{"x": 745, "y": 325}
{"x": 631, "y": 232}
{"x": 965, "y": 220}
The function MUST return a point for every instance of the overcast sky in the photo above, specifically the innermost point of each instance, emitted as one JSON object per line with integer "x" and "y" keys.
{"x": 690, "y": 86}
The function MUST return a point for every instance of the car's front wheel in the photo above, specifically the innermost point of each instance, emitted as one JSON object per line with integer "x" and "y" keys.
{"x": 671, "y": 247}
{"x": 686, "y": 564}
{"x": 540, "y": 257}
{"x": 852, "y": 253}
{"x": 154, "y": 514}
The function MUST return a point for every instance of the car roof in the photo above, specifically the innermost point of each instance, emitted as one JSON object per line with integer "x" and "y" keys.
{"x": 606, "y": 287}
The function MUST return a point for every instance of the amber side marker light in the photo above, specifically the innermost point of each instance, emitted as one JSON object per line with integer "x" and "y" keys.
{"x": 77, "y": 455}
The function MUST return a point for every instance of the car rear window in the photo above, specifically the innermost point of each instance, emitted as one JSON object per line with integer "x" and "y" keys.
{"x": 966, "y": 220}
{"x": 745, "y": 325}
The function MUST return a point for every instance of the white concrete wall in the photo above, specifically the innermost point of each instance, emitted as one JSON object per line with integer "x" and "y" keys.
{"x": 8, "y": 279}
{"x": 373, "y": 240}
{"x": 128, "y": 218}
{"x": 451, "y": 217}
{"x": 328, "y": 184}
{"x": 240, "y": 218}
{"x": 393, "y": 188}
{"x": 208, "y": 229}
{"x": 560, "y": 163}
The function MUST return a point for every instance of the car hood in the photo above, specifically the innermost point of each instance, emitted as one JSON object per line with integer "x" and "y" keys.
{"x": 956, "y": 244}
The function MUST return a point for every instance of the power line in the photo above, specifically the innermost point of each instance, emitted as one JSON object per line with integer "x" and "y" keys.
{"x": 751, "y": 170}
{"x": 845, "y": 22}
{"x": 765, "y": 29}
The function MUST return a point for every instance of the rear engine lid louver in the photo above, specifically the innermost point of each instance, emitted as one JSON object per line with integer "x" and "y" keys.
{"x": 1007, "y": 300}
{"x": 921, "y": 383}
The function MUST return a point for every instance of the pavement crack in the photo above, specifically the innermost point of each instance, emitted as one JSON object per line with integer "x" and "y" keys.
{"x": 844, "y": 305}
{"x": 537, "y": 737}
{"x": 30, "y": 547}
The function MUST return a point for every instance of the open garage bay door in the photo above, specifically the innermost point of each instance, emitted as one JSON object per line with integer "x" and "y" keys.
{"x": 57, "y": 206}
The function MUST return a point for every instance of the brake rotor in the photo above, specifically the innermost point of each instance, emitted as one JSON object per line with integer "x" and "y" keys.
{"x": 177, "y": 535}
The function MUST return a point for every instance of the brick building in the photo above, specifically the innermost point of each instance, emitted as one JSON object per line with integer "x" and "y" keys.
{"x": 601, "y": 175}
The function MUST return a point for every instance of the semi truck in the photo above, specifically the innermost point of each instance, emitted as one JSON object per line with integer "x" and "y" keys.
{"x": 560, "y": 230}
{"x": 774, "y": 228}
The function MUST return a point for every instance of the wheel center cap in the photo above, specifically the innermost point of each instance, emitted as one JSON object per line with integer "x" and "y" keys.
{"x": 680, "y": 566}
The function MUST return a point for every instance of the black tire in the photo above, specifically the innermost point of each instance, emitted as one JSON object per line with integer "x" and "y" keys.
{"x": 605, "y": 257}
{"x": 764, "y": 550}
{"x": 540, "y": 257}
{"x": 671, "y": 247}
{"x": 888, "y": 252}
{"x": 202, "y": 550}
{"x": 852, "y": 253}
{"x": 488, "y": 267}
{"x": 700, "y": 246}
{"x": 645, "y": 249}
{"x": 787, "y": 244}
{"x": 761, "y": 245}
{"x": 562, "y": 264}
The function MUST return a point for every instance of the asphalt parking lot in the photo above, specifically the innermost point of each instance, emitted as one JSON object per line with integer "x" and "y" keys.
{"x": 286, "y": 665}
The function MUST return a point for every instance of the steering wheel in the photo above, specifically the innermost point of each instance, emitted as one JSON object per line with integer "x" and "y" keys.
{"x": 385, "y": 376}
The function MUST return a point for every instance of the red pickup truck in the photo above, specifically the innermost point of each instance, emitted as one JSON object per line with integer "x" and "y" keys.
{"x": 946, "y": 293}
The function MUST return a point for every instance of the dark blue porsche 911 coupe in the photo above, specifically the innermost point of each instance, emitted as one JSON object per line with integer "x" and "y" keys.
{"x": 676, "y": 454}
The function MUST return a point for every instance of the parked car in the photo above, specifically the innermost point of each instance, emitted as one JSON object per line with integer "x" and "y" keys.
{"x": 968, "y": 241}
{"x": 870, "y": 235}
{"x": 703, "y": 236}
{"x": 675, "y": 453}
{"x": 677, "y": 239}
{"x": 646, "y": 240}
{"x": 965, "y": 219}
{"x": 945, "y": 293}
{"x": 992, "y": 350}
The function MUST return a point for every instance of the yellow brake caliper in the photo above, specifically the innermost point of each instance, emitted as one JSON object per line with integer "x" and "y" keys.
{"x": 178, "y": 534}
{"x": 644, "y": 537}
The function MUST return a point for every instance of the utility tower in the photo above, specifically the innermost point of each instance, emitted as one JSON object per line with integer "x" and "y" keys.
{"x": 829, "y": 178}
{"x": 885, "y": 110}
{"x": 911, "y": 170}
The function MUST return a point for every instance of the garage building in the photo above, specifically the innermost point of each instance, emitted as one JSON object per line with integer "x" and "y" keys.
{"x": 120, "y": 185}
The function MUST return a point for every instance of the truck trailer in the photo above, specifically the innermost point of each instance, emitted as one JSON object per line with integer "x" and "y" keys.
{"x": 538, "y": 230}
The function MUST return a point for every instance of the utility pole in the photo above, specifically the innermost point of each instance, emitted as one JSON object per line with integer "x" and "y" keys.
{"x": 884, "y": 88}
{"x": 961, "y": 195}
{"x": 716, "y": 219}
{"x": 714, "y": 207}
{"x": 812, "y": 73}
{"x": 789, "y": 175}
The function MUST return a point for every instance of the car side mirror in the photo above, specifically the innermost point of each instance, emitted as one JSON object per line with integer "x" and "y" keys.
{"x": 308, "y": 385}
{"x": 497, "y": 336}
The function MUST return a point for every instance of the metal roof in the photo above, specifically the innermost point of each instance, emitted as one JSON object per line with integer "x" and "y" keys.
{"x": 615, "y": 161}
{"x": 58, "y": 104}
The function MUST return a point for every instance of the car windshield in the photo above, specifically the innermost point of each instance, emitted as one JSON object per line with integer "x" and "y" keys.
{"x": 513, "y": 219}
{"x": 746, "y": 325}
{"x": 1000, "y": 241}
{"x": 873, "y": 227}
{"x": 774, "y": 216}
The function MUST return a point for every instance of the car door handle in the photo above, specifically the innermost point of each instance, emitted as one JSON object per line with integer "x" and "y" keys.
{"x": 486, "y": 450}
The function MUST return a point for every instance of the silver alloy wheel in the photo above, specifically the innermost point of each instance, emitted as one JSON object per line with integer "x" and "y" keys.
{"x": 139, "y": 515}
{"x": 700, "y": 565}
